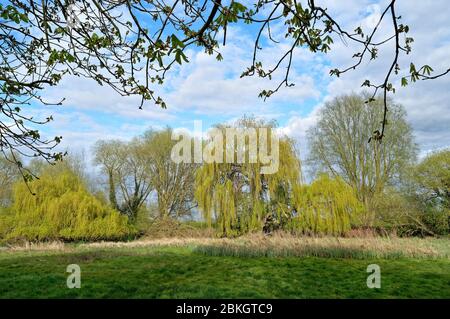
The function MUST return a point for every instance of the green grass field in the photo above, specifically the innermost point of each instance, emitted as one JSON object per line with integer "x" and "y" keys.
{"x": 186, "y": 272}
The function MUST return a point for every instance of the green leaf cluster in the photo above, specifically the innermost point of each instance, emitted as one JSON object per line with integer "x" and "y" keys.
{"x": 327, "y": 206}
{"x": 62, "y": 209}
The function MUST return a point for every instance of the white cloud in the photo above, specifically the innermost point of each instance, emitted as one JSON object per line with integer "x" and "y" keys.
{"x": 297, "y": 127}
{"x": 207, "y": 86}
{"x": 86, "y": 95}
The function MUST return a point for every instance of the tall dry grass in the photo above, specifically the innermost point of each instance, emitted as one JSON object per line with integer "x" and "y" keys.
{"x": 277, "y": 245}
{"x": 284, "y": 245}
{"x": 38, "y": 246}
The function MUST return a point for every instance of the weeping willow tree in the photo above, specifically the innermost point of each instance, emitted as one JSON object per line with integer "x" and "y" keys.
{"x": 327, "y": 206}
{"x": 234, "y": 187}
{"x": 62, "y": 208}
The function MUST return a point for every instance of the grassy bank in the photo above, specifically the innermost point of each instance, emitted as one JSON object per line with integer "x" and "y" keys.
{"x": 249, "y": 267}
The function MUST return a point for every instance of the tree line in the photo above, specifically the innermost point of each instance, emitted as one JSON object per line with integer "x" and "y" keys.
{"x": 357, "y": 183}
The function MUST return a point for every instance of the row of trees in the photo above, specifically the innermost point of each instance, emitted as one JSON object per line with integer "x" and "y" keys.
{"x": 396, "y": 192}
{"x": 358, "y": 182}
{"x": 134, "y": 170}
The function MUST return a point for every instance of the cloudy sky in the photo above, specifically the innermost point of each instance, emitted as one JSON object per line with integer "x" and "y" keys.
{"x": 213, "y": 91}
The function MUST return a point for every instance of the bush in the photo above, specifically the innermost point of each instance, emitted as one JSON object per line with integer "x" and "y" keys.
{"x": 406, "y": 215}
{"x": 395, "y": 213}
{"x": 62, "y": 209}
{"x": 437, "y": 220}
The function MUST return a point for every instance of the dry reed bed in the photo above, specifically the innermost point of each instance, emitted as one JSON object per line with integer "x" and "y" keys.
{"x": 334, "y": 247}
{"x": 278, "y": 245}
{"x": 39, "y": 246}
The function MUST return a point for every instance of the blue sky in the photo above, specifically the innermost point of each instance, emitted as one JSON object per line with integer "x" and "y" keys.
{"x": 213, "y": 92}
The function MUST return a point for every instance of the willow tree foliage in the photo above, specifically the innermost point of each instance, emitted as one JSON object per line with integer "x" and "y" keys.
{"x": 327, "y": 206}
{"x": 237, "y": 195}
{"x": 62, "y": 209}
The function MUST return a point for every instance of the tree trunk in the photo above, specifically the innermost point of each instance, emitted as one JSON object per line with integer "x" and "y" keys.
{"x": 112, "y": 191}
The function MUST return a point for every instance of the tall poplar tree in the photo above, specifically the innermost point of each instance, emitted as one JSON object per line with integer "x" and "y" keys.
{"x": 345, "y": 142}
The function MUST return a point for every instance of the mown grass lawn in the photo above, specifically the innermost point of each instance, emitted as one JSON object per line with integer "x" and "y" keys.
{"x": 181, "y": 272}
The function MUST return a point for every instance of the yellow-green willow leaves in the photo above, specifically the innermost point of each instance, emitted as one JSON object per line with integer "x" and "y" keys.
{"x": 62, "y": 209}
{"x": 327, "y": 206}
{"x": 237, "y": 195}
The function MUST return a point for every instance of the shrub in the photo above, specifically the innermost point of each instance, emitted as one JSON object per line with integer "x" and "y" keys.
{"x": 395, "y": 213}
{"x": 406, "y": 215}
{"x": 62, "y": 209}
{"x": 437, "y": 220}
